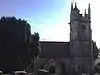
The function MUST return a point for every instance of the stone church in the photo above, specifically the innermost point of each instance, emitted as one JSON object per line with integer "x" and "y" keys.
{"x": 76, "y": 55}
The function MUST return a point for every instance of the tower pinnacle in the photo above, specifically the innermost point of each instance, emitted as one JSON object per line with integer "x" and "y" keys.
{"x": 71, "y": 6}
{"x": 75, "y": 5}
{"x": 85, "y": 12}
{"x": 89, "y": 12}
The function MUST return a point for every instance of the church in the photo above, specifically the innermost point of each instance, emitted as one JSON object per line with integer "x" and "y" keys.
{"x": 76, "y": 55}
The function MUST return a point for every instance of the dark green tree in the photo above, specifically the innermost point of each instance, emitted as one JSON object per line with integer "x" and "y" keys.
{"x": 16, "y": 47}
{"x": 95, "y": 51}
{"x": 97, "y": 68}
{"x": 33, "y": 51}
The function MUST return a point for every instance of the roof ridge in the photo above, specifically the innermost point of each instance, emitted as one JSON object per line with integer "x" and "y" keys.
{"x": 54, "y": 41}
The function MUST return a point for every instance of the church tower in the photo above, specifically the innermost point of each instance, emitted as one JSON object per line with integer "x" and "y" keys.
{"x": 81, "y": 40}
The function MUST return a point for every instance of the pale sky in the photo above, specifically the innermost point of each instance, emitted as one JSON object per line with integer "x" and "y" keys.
{"x": 60, "y": 30}
{"x": 50, "y": 18}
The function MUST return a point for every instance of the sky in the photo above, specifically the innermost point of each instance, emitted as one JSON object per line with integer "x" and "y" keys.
{"x": 50, "y": 18}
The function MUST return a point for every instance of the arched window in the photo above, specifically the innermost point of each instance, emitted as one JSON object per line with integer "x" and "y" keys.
{"x": 52, "y": 69}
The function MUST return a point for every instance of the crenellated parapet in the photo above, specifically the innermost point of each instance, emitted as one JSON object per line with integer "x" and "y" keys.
{"x": 75, "y": 14}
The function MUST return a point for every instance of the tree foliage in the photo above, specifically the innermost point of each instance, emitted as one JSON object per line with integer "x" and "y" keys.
{"x": 95, "y": 51}
{"x": 97, "y": 68}
{"x": 16, "y": 46}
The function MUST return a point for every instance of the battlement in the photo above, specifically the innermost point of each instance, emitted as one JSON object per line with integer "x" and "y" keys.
{"x": 75, "y": 14}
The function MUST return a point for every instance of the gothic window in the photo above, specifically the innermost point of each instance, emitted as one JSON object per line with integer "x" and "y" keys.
{"x": 52, "y": 69}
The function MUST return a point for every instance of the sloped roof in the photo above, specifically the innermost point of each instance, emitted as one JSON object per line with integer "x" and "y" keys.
{"x": 51, "y": 61}
{"x": 54, "y": 49}
{"x": 41, "y": 61}
{"x": 45, "y": 62}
